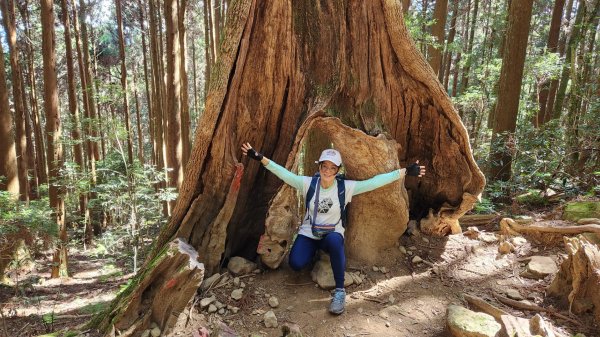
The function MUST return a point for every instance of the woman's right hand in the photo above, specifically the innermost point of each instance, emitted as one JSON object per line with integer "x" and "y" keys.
{"x": 247, "y": 150}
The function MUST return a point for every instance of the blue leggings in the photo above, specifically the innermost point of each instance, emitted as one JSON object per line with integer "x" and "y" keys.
{"x": 304, "y": 250}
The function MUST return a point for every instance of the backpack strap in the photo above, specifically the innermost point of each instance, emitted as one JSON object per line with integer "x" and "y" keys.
{"x": 342, "y": 198}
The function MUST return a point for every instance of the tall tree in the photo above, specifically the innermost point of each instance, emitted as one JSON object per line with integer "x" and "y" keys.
{"x": 390, "y": 89}
{"x": 509, "y": 89}
{"x": 53, "y": 133}
{"x": 9, "y": 178}
{"x": 174, "y": 107}
{"x": 124, "y": 82}
{"x": 464, "y": 82}
{"x": 447, "y": 60}
{"x": 8, "y": 15}
{"x": 551, "y": 47}
{"x": 186, "y": 145}
{"x": 73, "y": 107}
{"x": 440, "y": 12}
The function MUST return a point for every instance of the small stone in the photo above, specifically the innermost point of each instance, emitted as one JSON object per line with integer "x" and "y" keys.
{"x": 383, "y": 270}
{"x": 518, "y": 241}
{"x": 290, "y": 308}
{"x": 256, "y": 271}
{"x": 505, "y": 247}
{"x": 206, "y": 301}
{"x": 402, "y": 249}
{"x": 237, "y": 294}
{"x": 155, "y": 332}
{"x": 540, "y": 267}
{"x": 212, "y": 308}
{"x": 417, "y": 259}
{"x": 236, "y": 281}
{"x": 387, "y": 324}
{"x": 219, "y": 305}
{"x": 221, "y": 311}
{"x": 384, "y": 314}
{"x": 409, "y": 253}
{"x": 391, "y": 299}
{"x": 267, "y": 295}
{"x": 425, "y": 239}
{"x": 514, "y": 294}
{"x": 235, "y": 310}
{"x": 360, "y": 310}
{"x": 270, "y": 319}
{"x": 412, "y": 248}
{"x": 273, "y": 302}
{"x": 146, "y": 333}
{"x": 242, "y": 285}
{"x": 375, "y": 268}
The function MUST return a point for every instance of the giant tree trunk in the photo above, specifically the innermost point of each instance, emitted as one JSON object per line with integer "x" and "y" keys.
{"x": 283, "y": 66}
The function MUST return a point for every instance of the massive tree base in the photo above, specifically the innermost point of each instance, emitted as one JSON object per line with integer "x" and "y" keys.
{"x": 156, "y": 295}
{"x": 577, "y": 283}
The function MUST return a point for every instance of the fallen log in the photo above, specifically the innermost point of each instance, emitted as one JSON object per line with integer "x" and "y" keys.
{"x": 533, "y": 307}
{"x": 484, "y": 306}
{"x": 545, "y": 234}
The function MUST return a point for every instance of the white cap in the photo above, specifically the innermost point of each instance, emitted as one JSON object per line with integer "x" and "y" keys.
{"x": 332, "y": 155}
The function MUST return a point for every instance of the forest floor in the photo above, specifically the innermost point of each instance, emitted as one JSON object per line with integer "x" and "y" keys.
{"x": 407, "y": 300}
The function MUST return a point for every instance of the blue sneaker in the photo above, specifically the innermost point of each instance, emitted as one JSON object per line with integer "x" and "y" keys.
{"x": 338, "y": 301}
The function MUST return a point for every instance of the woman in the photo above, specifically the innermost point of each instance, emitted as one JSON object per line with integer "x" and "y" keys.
{"x": 323, "y": 227}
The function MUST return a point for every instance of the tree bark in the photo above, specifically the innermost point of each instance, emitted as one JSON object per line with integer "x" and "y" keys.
{"x": 440, "y": 12}
{"x": 9, "y": 177}
{"x": 124, "y": 83}
{"x": 366, "y": 71}
{"x": 8, "y": 14}
{"x": 509, "y": 89}
{"x": 147, "y": 79}
{"x": 174, "y": 108}
{"x": 53, "y": 131}
{"x": 551, "y": 47}
{"x": 186, "y": 147}
{"x": 464, "y": 83}
{"x": 447, "y": 60}
{"x": 73, "y": 108}
{"x": 405, "y": 6}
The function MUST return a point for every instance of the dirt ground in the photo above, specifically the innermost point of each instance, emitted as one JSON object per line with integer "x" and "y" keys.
{"x": 407, "y": 300}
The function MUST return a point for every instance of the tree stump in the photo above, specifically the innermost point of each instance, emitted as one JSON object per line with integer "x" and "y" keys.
{"x": 156, "y": 295}
{"x": 577, "y": 283}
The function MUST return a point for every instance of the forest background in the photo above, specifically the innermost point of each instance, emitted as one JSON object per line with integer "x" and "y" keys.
{"x": 99, "y": 105}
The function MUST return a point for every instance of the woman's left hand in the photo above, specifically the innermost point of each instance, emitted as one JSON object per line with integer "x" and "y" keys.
{"x": 415, "y": 170}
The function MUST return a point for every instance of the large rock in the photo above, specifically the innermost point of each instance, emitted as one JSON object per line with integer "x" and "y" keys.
{"x": 463, "y": 322}
{"x": 270, "y": 319}
{"x": 240, "y": 266}
{"x": 322, "y": 274}
{"x": 581, "y": 209}
{"x": 540, "y": 267}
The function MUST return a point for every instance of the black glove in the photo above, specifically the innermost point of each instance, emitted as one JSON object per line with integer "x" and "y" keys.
{"x": 253, "y": 154}
{"x": 413, "y": 170}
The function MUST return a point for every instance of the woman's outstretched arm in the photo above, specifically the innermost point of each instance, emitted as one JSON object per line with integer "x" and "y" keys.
{"x": 288, "y": 177}
{"x": 383, "y": 179}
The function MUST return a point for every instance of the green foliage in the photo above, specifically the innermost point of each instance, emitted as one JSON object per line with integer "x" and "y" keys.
{"x": 484, "y": 206}
{"x": 35, "y": 218}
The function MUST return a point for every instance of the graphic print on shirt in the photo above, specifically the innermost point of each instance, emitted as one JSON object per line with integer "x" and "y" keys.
{"x": 325, "y": 205}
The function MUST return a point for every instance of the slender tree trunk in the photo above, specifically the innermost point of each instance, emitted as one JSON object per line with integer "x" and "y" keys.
{"x": 93, "y": 219}
{"x": 405, "y": 6}
{"x": 185, "y": 109}
{"x": 73, "y": 108}
{"x": 124, "y": 82}
{"x": 207, "y": 45}
{"x": 464, "y": 82}
{"x": 216, "y": 26}
{"x": 551, "y": 47}
{"x": 447, "y": 60}
{"x": 41, "y": 169}
{"x": 195, "y": 76}
{"x": 562, "y": 42}
{"x": 440, "y": 12}
{"x": 511, "y": 77}
{"x": 138, "y": 119}
{"x": 571, "y": 46}
{"x": 53, "y": 131}
{"x": 89, "y": 81}
{"x": 9, "y": 175}
{"x": 8, "y": 14}
{"x": 158, "y": 94}
{"x": 174, "y": 108}
{"x": 149, "y": 101}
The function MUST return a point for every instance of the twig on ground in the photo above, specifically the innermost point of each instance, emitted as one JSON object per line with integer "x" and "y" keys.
{"x": 533, "y": 307}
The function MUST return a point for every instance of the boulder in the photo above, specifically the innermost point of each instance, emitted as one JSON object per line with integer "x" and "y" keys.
{"x": 463, "y": 322}
{"x": 323, "y": 275}
{"x": 581, "y": 209}
{"x": 240, "y": 266}
{"x": 540, "y": 267}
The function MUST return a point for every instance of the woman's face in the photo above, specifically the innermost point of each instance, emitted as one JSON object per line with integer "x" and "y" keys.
{"x": 328, "y": 170}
